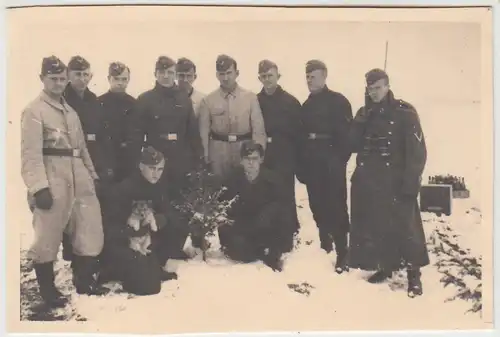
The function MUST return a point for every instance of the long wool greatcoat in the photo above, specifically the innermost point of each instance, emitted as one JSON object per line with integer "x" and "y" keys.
{"x": 386, "y": 227}
{"x": 234, "y": 113}
{"x": 47, "y": 123}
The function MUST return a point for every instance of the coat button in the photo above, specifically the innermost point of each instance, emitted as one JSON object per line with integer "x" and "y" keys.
{"x": 390, "y": 132}
{"x": 387, "y": 164}
{"x": 391, "y": 122}
{"x": 389, "y": 143}
{"x": 361, "y": 164}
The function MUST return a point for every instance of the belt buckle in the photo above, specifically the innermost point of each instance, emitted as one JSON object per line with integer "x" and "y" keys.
{"x": 172, "y": 136}
{"x": 91, "y": 137}
{"x": 269, "y": 139}
{"x": 232, "y": 138}
{"x": 312, "y": 136}
{"x": 76, "y": 153}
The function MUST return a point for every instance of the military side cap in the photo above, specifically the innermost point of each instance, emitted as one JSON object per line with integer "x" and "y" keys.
{"x": 266, "y": 65}
{"x": 52, "y": 65}
{"x": 224, "y": 62}
{"x": 185, "y": 65}
{"x": 116, "y": 68}
{"x": 313, "y": 65}
{"x": 150, "y": 156}
{"x": 164, "y": 62}
{"x": 375, "y": 75}
{"x": 78, "y": 63}
{"x": 250, "y": 146}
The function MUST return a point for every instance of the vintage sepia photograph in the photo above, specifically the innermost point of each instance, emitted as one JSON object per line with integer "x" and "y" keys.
{"x": 190, "y": 169}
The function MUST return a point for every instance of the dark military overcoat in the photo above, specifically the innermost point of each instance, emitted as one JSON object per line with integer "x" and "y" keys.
{"x": 119, "y": 111}
{"x": 386, "y": 227}
{"x": 166, "y": 118}
{"x": 281, "y": 112}
{"x": 96, "y": 130}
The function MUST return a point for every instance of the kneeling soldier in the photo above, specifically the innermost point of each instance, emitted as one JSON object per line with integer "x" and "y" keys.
{"x": 59, "y": 175}
{"x": 262, "y": 228}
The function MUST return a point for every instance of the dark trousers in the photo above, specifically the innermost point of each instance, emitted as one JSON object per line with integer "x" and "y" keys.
{"x": 327, "y": 191}
{"x": 248, "y": 238}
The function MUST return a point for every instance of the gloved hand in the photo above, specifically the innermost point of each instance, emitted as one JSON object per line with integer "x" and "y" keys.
{"x": 43, "y": 199}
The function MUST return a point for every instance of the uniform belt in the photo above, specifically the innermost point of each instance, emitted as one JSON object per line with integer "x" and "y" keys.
{"x": 171, "y": 136}
{"x": 231, "y": 138}
{"x": 314, "y": 136}
{"x": 61, "y": 152}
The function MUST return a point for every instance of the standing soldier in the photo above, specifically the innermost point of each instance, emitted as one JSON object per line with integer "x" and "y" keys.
{"x": 95, "y": 128}
{"x": 186, "y": 75}
{"x": 228, "y": 116}
{"x": 281, "y": 112}
{"x": 118, "y": 107}
{"x": 59, "y": 175}
{"x": 386, "y": 224}
{"x": 326, "y": 116}
{"x": 166, "y": 120}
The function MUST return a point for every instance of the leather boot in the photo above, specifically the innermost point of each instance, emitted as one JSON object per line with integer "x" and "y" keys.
{"x": 326, "y": 241}
{"x": 414, "y": 282}
{"x": 67, "y": 252}
{"x": 48, "y": 291}
{"x": 84, "y": 279}
{"x": 341, "y": 263}
{"x": 380, "y": 276}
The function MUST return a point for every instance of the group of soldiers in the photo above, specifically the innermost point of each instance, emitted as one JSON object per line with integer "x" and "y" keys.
{"x": 77, "y": 147}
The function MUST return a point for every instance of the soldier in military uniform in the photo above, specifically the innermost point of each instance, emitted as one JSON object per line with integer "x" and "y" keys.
{"x": 387, "y": 229}
{"x": 95, "y": 128}
{"x": 228, "y": 116}
{"x": 59, "y": 174}
{"x": 186, "y": 75}
{"x": 281, "y": 112}
{"x": 261, "y": 228}
{"x": 326, "y": 116}
{"x": 118, "y": 106}
{"x": 166, "y": 120}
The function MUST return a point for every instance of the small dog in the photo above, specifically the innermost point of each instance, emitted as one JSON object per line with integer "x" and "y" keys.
{"x": 142, "y": 216}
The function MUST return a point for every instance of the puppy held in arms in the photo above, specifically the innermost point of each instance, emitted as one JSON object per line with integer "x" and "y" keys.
{"x": 142, "y": 221}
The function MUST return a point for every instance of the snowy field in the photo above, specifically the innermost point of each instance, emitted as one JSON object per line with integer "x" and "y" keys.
{"x": 307, "y": 295}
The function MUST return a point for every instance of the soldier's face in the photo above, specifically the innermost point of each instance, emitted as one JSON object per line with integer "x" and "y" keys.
{"x": 316, "y": 80}
{"x": 119, "y": 83}
{"x": 186, "y": 79}
{"x": 80, "y": 79}
{"x": 166, "y": 77}
{"x": 269, "y": 79}
{"x": 251, "y": 164}
{"x": 228, "y": 77}
{"x": 55, "y": 83}
{"x": 152, "y": 173}
{"x": 378, "y": 90}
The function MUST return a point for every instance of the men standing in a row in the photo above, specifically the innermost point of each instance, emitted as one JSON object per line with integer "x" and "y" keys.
{"x": 228, "y": 116}
{"x": 59, "y": 174}
{"x": 325, "y": 151}
{"x": 95, "y": 128}
{"x": 186, "y": 75}
{"x": 386, "y": 224}
{"x": 281, "y": 113}
{"x": 118, "y": 107}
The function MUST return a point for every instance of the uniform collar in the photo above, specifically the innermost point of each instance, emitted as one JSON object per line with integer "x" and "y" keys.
{"x": 165, "y": 90}
{"x": 59, "y": 105}
{"x": 278, "y": 91}
{"x": 319, "y": 92}
{"x": 233, "y": 93}
{"x": 69, "y": 91}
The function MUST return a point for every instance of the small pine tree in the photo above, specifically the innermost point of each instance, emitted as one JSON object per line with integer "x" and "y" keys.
{"x": 201, "y": 203}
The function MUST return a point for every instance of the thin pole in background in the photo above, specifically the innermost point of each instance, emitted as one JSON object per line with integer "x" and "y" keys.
{"x": 386, "y": 50}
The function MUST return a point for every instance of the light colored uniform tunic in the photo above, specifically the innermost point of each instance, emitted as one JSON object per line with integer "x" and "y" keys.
{"x": 235, "y": 113}
{"x": 47, "y": 123}
{"x": 196, "y": 98}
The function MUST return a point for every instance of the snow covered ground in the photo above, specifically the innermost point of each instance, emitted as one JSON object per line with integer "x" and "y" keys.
{"x": 220, "y": 296}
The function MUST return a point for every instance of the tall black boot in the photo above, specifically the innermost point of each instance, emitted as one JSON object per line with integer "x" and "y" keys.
{"x": 84, "y": 276}
{"x": 340, "y": 240}
{"x": 48, "y": 291}
{"x": 67, "y": 252}
{"x": 326, "y": 240}
{"x": 414, "y": 282}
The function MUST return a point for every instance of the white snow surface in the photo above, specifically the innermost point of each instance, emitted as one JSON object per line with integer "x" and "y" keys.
{"x": 222, "y": 296}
